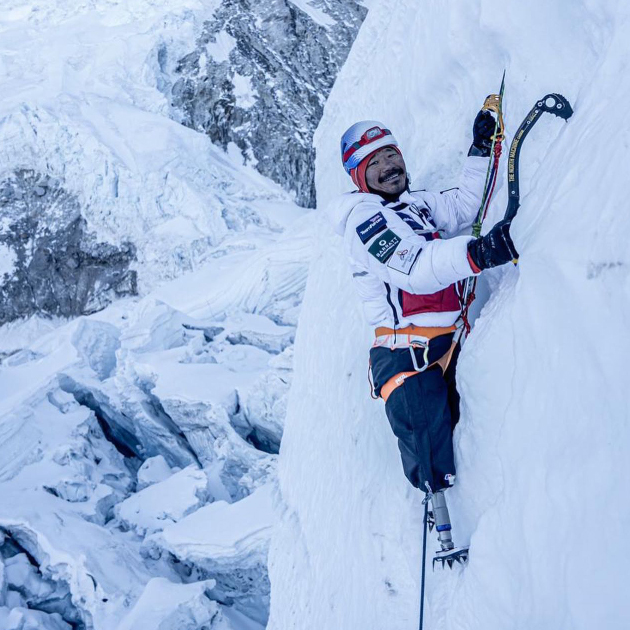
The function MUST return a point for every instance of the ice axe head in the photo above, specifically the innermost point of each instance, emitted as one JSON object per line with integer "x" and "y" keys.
{"x": 556, "y": 104}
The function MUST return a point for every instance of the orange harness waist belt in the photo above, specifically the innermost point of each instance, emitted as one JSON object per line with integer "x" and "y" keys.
{"x": 415, "y": 335}
{"x": 429, "y": 332}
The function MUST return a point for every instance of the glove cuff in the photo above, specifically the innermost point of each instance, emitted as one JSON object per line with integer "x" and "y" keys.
{"x": 475, "y": 255}
{"x": 478, "y": 151}
{"x": 472, "y": 264}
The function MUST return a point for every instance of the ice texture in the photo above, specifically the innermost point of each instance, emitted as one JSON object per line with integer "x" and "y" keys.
{"x": 118, "y": 425}
{"x": 542, "y": 444}
{"x": 221, "y": 536}
{"x": 165, "y": 502}
{"x": 102, "y": 195}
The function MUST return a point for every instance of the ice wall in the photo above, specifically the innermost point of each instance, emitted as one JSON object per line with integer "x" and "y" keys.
{"x": 543, "y": 443}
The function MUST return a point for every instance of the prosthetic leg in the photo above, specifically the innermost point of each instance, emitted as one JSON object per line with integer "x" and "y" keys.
{"x": 442, "y": 523}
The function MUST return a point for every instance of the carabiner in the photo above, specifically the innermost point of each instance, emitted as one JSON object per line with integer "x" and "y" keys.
{"x": 425, "y": 355}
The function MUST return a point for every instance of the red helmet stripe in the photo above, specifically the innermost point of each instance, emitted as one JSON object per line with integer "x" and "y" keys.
{"x": 366, "y": 138}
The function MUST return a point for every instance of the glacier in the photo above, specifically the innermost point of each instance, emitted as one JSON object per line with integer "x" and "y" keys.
{"x": 119, "y": 428}
{"x": 150, "y": 289}
{"x": 542, "y": 445}
{"x": 187, "y": 437}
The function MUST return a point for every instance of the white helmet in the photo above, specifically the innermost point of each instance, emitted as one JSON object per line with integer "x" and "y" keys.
{"x": 361, "y": 139}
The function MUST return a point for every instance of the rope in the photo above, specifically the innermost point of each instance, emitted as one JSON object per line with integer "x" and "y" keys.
{"x": 424, "y": 560}
{"x": 471, "y": 283}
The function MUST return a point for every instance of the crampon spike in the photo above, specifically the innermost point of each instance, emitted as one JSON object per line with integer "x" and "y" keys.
{"x": 459, "y": 555}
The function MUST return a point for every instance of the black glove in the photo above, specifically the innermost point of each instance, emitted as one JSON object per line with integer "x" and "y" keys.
{"x": 493, "y": 249}
{"x": 483, "y": 130}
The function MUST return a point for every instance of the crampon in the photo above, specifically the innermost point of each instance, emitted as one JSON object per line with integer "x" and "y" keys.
{"x": 450, "y": 556}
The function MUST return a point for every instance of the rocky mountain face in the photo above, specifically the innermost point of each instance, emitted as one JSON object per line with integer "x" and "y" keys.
{"x": 259, "y": 77}
{"x": 49, "y": 262}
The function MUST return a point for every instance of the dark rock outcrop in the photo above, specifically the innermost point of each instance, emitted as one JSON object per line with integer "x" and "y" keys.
{"x": 52, "y": 264}
{"x": 259, "y": 77}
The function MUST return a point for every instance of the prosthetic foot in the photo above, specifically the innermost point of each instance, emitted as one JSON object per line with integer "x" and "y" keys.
{"x": 448, "y": 553}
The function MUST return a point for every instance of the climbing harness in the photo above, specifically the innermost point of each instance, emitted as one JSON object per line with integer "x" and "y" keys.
{"x": 417, "y": 340}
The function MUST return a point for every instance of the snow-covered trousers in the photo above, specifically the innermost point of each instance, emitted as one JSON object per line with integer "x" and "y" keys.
{"x": 423, "y": 413}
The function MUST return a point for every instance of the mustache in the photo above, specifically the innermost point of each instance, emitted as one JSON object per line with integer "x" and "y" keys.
{"x": 392, "y": 171}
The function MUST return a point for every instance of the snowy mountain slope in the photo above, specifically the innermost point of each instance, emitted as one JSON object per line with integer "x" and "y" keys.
{"x": 542, "y": 446}
{"x": 120, "y": 425}
{"x": 101, "y": 194}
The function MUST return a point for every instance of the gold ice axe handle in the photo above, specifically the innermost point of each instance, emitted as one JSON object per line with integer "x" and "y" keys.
{"x": 493, "y": 104}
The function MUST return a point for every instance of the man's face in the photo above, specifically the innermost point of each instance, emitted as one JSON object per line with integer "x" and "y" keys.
{"x": 386, "y": 172}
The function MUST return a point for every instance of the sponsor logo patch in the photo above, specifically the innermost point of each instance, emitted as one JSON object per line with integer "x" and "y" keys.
{"x": 383, "y": 246}
{"x": 404, "y": 256}
{"x": 372, "y": 226}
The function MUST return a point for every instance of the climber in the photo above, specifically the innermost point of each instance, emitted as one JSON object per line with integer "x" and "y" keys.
{"x": 407, "y": 260}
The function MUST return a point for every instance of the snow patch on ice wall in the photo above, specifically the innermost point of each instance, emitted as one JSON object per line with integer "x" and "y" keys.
{"x": 542, "y": 446}
{"x": 7, "y": 260}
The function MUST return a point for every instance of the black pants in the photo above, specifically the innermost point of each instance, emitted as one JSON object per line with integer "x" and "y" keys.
{"x": 423, "y": 413}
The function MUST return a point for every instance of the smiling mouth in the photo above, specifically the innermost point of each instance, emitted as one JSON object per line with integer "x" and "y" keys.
{"x": 390, "y": 177}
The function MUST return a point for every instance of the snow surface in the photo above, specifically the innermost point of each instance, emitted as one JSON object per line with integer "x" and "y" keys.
{"x": 221, "y": 47}
{"x": 83, "y": 404}
{"x": 243, "y": 91}
{"x": 144, "y": 511}
{"x": 116, "y": 426}
{"x": 543, "y": 444}
{"x": 313, "y": 11}
{"x": 7, "y": 260}
{"x": 152, "y": 471}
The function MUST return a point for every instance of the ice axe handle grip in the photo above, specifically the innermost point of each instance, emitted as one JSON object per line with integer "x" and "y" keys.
{"x": 493, "y": 104}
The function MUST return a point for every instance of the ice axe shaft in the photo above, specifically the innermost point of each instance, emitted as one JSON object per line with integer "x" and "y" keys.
{"x": 553, "y": 104}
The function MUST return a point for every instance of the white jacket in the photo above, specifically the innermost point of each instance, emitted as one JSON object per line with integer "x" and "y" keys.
{"x": 390, "y": 250}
